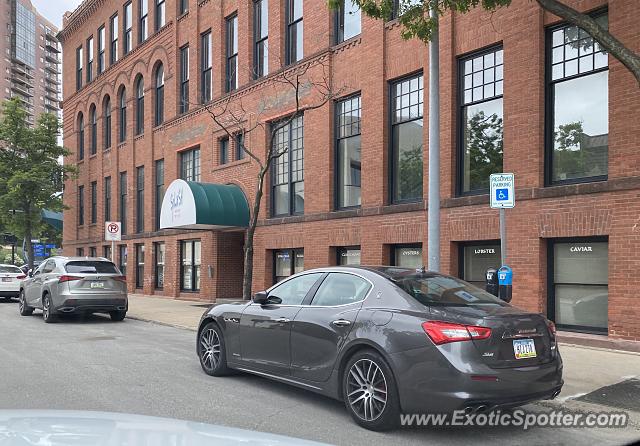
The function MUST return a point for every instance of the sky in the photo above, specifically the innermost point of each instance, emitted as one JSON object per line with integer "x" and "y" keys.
{"x": 53, "y": 9}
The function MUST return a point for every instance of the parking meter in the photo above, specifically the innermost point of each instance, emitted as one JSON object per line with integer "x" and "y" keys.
{"x": 491, "y": 281}
{"x": 505, "y": 280}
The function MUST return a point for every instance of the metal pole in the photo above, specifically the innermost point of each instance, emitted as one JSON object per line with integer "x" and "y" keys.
{"x": 13, "y": 253}
{"x": 433, "y": 204}
{"x": 503, "y": 237}
{"x": 113, "y": 251}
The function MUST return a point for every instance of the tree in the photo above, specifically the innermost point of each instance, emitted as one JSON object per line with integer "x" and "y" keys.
{"x": 414, "y": 17}
{"x": 307, "y": 87}
{"x": 31, "y": 176}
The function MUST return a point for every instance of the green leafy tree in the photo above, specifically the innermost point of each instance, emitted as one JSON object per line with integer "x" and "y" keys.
{"x": 483, "y": 136}
{"x": 31, "y": 175}
{"x": 414, "y": 16}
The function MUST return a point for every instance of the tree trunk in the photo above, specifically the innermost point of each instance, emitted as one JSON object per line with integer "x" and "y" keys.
{"x": 612, "y": 45}
{"x": 247, "y": 280}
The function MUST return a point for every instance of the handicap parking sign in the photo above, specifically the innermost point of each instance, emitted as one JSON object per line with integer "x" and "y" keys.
{"x": 502, "y": 194}
{"x": 502, "y": 190}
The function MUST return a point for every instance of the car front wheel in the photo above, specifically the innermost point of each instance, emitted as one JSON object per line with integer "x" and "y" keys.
{"x": 25, "y": 310}
{"x": 211, "y": 351}
{"x": 369, "y": 391}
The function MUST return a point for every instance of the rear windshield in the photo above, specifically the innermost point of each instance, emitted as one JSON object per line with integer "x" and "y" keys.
{"x": 91, "y": 267}
{"x": 10, "y": 269}
{"x": 433, "y": 290}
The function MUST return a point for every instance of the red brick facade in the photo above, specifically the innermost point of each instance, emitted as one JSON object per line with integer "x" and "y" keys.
{"x": 366, "y": 63}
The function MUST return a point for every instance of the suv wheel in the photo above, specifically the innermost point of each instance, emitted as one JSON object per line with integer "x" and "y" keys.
{"x": 117, "y": 316}
{"x": 25, "y": 310}
{"x": 369, "y": 391}
{"x": 47, "y": 312}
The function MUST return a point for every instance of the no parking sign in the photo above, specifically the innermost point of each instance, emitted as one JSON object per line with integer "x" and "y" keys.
{"x": 112, "y": 231}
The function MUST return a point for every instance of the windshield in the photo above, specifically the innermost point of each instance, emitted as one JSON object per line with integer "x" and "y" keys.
{"x": 10, "y": 269}
{"x": 444, "y": 290}
{"x": 91, "y": 267}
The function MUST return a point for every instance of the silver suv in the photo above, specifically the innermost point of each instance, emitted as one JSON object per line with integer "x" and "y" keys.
{"x": 74, "y": 285}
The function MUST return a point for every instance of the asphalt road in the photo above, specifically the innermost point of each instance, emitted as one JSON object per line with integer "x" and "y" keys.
{"x": 149, "y": 369}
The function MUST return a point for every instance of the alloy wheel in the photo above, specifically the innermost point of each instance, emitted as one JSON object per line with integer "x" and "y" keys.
{"x": 45, "y": 307}
{"x": 367, "y": 389}
{"x": 210, "y": 348}
{"x": 21, "y": 303}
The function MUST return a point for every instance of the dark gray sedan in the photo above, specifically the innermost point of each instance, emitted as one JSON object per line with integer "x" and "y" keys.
{"x": 386, "y": 341}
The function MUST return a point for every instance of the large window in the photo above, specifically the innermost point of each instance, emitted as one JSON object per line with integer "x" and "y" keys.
{"x": 89, "y": 59}
{"x": 481, "y": 115}
{"x": 128, "y": 26}
{"x": 106, "y": 123}
{"x": 80, "y": 136}
{"x": 239, "y": 145}
{"x": 123, "y": 203}
{"x": 140, "y": 106}
{"x": 139, "y": 265}
{"x": 80, "y": 205}
{"x": 94, "y": 202}
{"x": 578, "y": 108}
{"x": 476, "y": 258}
{"x": 579, "y": 290}
{"x": 159, "y": 259}
{"x": 183, "y": 6}
{"x": 288, "y": 169}
{"x": 122, "y": 257}
{"x": 232, "y": 53}
{"x": 122, "y": 112}
{"x": 295, "y": 33}
{"x": 348, "y": 21}
{"x": 79, "y": 65}
{"x": 159, "y": 96}
{"x": 140, "y": 199}
{"x": 206, "y": 81}
{"x": 160, "y": 14}
{"x": 401, "y": 7}
{"x": 107, "y": 199}
{"x": 407, "y": 136}
{"x": 407, "y": 256}
{"x": 93, "y": 121}
{"x": 224, "y": 150}
{"x": 143, "y": 30}
{"x": 261, "y": 38}
{"x": 101, "y": 48}
{"x": 190, "y": 165}
{"x": 348, "y": 171}
{"x": 184, "y": 79}
{"x": 190, "y": 265}
{"x": 113, "y": 33}
{"x": 349, "y": 255}
{"x": 159, "y": 192}
{"x": 287, "y": 262}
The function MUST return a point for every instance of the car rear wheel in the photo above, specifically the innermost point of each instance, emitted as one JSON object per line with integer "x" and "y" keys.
{"x": 211, "y": 351}
{"x": 117, "y": 316}
{"x": 25, "y": 310}
{"x": 47, "y": 311}
{"x": 369, "y": 391}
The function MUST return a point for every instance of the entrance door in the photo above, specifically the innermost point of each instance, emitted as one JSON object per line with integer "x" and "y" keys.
{"x": 579, "y": 292}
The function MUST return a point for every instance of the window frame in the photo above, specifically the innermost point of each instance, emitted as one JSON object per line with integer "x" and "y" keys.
{"x": 139, "y": 108}
{"x": 231, "y": 52}
{"x": 140, "y": 199}
{"x": 341, "y": 249}
{"x": 468, "y": 244}
{"x": 80, "y": 123}
{"x": 289, "y": 26}
{"x": 223, "y": 144}
{"x": 123, "y": 260}
{"x": 158, "y": 118}
{"x": 79, "y": 67}
{"x": 206, "y": 67}
{"x": 122, "y": 115}
{"x": 158, "y": 190}
{"x": 292, "y": 253}
{"x": 139, "y": 280}
{"x": 127, "y": 33}
{"x": 238, "y": 142}
{"x": 290, "y": 182}
{"x": 122, "y": 205}
{"x": 113, "y": 38}
{"x": 101, "y": 48}
{"x": 183, "y": 7}
{"x": 194, "y": 275}
{"x": 395, "y": 246}
{"x": 337, "y": 139}
{"x": 183, "y": 98}
{"x": 160, "y": 14}
{"x": 157, "y": 265}
{"x": 93, "y": 122}
{"x": 90, "y": 59}
{"x": 81, "y": 205}
{"x": 194, "y": 164}
{"x": 107, "y": 198}
{"x": 339, "y": 24}
{"x": 106, "y": 124}
{"x": 94, "y": 203}
{"x": 143, "y": 21}
{"x": 260, "y": 70}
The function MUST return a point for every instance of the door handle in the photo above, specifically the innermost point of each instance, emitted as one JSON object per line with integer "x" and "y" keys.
{"x": 341, "y": 323}
{"x": 283, "y": 320}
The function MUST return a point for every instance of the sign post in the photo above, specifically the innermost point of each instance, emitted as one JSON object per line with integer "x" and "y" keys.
{"x": 502, "y": 193}
{"x": 113, "y": 233}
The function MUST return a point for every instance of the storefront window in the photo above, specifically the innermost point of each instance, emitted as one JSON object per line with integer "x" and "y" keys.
{"x": 580, "y": 284}
{"x": 190, "y": 265}
{"x": 287, "y": 262}
{"x": 349, "y": 255}
{"x": 139, "y": 266}
{"x": 408, "y": 256}
{"x": 159, "y": 255}
{"x": 476, "y": 259}
{"x": 123, "y": 259}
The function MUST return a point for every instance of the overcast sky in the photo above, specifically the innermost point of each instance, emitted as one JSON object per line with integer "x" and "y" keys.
{"x": 53, "y": 9}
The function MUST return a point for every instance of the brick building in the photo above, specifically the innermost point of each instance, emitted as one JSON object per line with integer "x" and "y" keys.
{"x": 567, "y": 116}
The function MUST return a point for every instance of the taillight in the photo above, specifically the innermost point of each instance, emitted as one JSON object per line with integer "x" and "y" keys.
{"x": 66, "y": 278}
{"x": 21, "y": 276}
{"x": 552, "y": 328}
{"x": 120, "y": 278}
{"x": 444, "y": 332}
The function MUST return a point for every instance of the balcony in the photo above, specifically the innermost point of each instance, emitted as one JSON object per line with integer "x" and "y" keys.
{"x": 51, "y": 96}
{"x": 20, "y": 68}
{"x": 23, "y": 90}
{"x": 51, "y": 67}
{"x": 22, "y": 79}
{"x": 51, "y": 57}
{"x": 48, "y": 86}
{"x": 52, "y": 46}
{"x": 51, "y": 105}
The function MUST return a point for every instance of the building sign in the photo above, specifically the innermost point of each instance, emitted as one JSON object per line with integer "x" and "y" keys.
{"x": 178, "y": 206}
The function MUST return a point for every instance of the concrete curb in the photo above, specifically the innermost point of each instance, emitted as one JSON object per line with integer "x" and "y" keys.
{"x": 166, "y": 324}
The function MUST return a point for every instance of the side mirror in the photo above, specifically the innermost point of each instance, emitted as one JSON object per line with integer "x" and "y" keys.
{"x": 260, "y": 297}
{"x": 30, "y": 273}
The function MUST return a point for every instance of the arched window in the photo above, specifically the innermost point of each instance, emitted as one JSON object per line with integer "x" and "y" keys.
{"x": 80, "y": 136}
{"x": 106, "y": 112}
{"x": 122, "y": 111}
{"x": 140, "y": 106}
{"x": 159, "y": 117}
{"x": 94, "y": 129}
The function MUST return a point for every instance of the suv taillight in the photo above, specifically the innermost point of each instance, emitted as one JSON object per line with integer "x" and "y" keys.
{"x": 552, "y": 328}
{"x": 21, "y": 276}
{"x": 444, "y": 332}
{"x": 120, "y": 278}
{"x": 65, "y": 278}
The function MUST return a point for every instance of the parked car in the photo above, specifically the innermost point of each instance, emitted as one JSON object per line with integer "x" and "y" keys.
{"x": 386, "y": 341}
{"x": 10, "y": 278}
{"x": 75, "y": 285}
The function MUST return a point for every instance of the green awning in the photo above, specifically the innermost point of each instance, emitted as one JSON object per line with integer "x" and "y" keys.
{"x": 191, "y": 205}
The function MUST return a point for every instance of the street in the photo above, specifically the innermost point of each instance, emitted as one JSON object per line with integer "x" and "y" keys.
{"x": 151, "y": 369}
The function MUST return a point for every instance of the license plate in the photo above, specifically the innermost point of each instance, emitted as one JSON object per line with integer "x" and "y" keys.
{"x": 524, "y": 348}
{"x": 7, "y": 279}
{"x": 97, "y": 284}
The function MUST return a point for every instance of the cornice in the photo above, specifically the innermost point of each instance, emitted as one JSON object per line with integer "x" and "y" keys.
{"x": 78, "y": 17}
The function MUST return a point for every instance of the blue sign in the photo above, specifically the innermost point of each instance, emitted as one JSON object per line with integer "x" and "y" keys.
{"x": 502, "y": 194}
